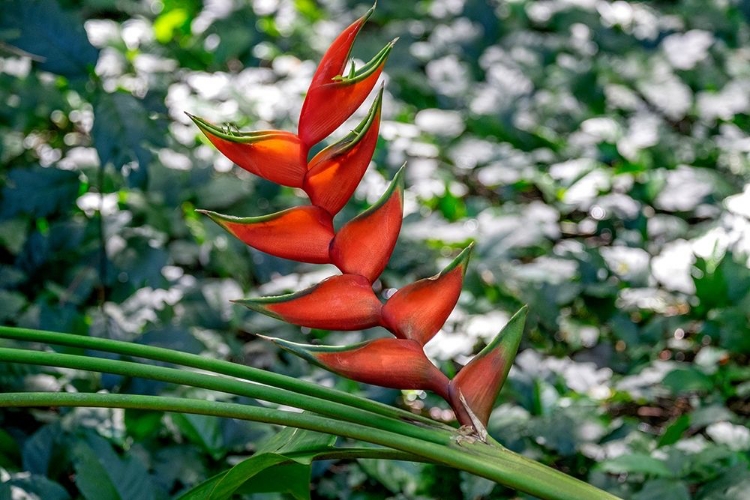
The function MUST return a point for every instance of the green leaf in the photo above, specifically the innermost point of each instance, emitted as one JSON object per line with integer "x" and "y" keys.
{"x": 124, "y": 134}
{"x": 142, "y": 424}
{"x": 102, "y": 475}
{"x": 305, "y": 445}
{"x": 244, "y": 471}
{"x": 92, "y": 477}
{"x": 12, "y": 237}
{"x": 34, "y": 487}
{"x": 292, "y": 440}
{"x": 636, "y": 463}
{"x": 733, "y": 484}
{"x": 660, "y": 489}
{"x": 288, "y": 445}
{"x": 11, "y": 304}
{"x": 38, "y": 192}
{"x": 674, "y": 432}
{"x": 684, "y": 380}
{"x": 10, "y": 454}
{"x": 397, "y": 476}
{"x": 203, "y": 431}
{"x": 296, "y": 481}
{"x": 55, "y": 37}
{"x": 37, "y": 451}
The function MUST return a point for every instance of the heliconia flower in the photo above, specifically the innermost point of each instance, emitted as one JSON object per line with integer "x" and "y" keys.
{"x": 334, "y": 173}
{"x": 275, "y": 155}
{"x": 364, "y": 244}
{"x": 344, "y": 302}
{"x": 482, "y": 378}
{"x": 394, "y": 363}
{"x": 303, "y": 234}
{"x": 418, "y": 310}
{"x": 333, "y": 96}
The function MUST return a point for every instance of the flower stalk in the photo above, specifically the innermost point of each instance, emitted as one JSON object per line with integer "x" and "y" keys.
{"x": 484, "y": 460}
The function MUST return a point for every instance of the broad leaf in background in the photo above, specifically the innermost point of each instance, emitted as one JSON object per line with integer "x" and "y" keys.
{"x": 33, "y": 486}
{"x": 101, "y": 474}
{"x": 55, "y": 38}
{"x": 39, "y": 192}
{"x": 125, "y": 134}
{"x": 288, "y": 445}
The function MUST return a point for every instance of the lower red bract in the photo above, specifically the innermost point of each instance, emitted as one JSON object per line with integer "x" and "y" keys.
{"x": 344, "y": 302}
{"x": 479, "y": 382}
{"x": 394, "y": 363}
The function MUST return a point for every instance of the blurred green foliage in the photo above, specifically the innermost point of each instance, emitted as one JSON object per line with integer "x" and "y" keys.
{"x": 598, "y": 152}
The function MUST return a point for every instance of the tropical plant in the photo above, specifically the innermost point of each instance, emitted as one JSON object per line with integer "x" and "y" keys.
{"x": 360, "y": 249}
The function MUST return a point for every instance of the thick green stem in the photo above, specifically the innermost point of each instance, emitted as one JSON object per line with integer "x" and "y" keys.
{"x": 215, "y": 366}
{"x": 498, "y": 465}
{"x": 223, "y": 384}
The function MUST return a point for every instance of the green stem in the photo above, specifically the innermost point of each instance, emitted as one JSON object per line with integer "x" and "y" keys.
{"x": 215, "y": 366}
{"x": 369, "y": 453}
{"x": 220, "y": 383}
{"x": 507, "y": 468}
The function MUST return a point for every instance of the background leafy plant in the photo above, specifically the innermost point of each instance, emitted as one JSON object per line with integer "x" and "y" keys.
{"x": 597, "y": 153}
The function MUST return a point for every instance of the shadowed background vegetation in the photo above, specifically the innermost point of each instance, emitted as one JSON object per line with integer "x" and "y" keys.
{"x": 597, "y": 152}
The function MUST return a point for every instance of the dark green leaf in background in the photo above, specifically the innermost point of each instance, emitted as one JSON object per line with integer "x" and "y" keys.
{"x": 54, "y": 38}
{"x": 125, "y": 134}
{"x": 38, "y": 191}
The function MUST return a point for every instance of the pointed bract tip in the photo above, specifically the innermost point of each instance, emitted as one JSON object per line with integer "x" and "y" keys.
{"x": 370, "y": 11}
{"x": 373, "y": 65}
{"x": 510, "y": 335}
{"x": 218, "y": 218}
{"x": 257, "y": 305}
{"x": 462, "y": 259}
{"x": 396, "y": 183}
{"x": 301, "y": 350}
{"x": 209, "y": 213}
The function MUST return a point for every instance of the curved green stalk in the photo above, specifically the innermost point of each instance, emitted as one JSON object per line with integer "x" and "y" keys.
{"x": 215, "y": 366}
{"x": 361, "y": 452}
{"x": 506, "y": 467}
{"x": 223, "y": 384}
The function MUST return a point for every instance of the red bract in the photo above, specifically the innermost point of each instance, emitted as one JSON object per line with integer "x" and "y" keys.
{"x": 482, "y": 378}
{"x": 333, "y": 96}
{"x": 394, "y": 363}
{"x": 334, "y": 61}
{"x": 364, "y": 244}
{"x": 344, "y": 302}
{"x": 272, "y": 154}
{"x": 417, "y": 311}
{"x": 303, "y": 234}
{"x": 335, "y": 172}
